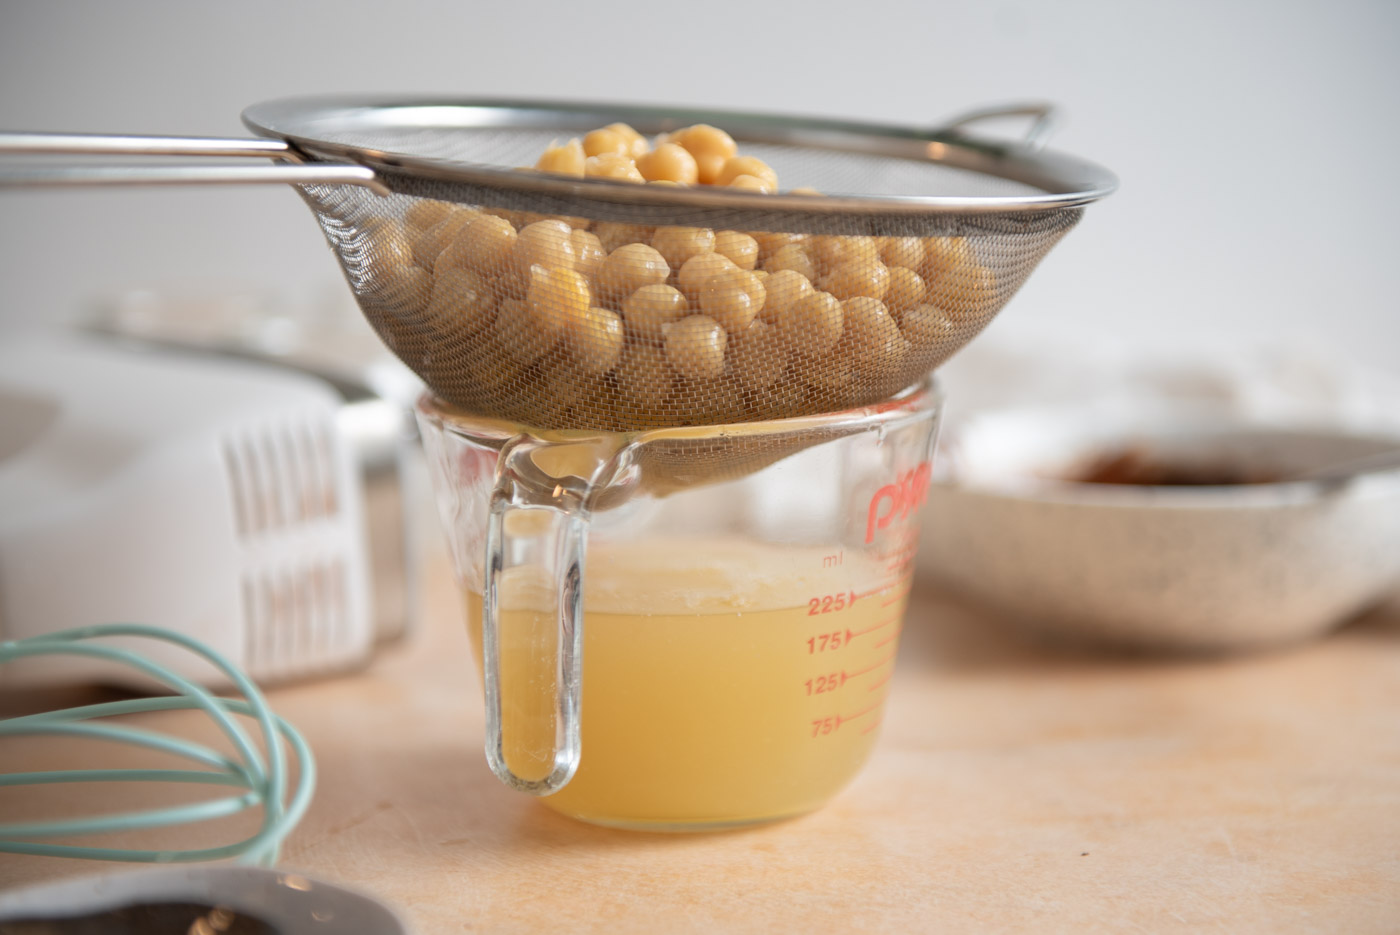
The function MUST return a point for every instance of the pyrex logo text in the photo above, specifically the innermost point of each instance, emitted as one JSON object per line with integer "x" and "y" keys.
{"x": 895, "y": 501}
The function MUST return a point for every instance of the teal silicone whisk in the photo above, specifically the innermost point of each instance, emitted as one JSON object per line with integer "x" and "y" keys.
{"x": 258, "y": 779}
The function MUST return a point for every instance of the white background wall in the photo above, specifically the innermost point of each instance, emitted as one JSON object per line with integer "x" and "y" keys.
{"x": 1256, "y": 139}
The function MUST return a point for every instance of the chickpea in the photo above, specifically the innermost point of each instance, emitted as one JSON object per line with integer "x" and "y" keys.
{"x": 906, "y": 289}
{"x": 872, "y": 331}
{"x": 695, "y": 347}
{"x": 613, "y": 235}
{"x": 678, "y": 244}
{"x": 511, "y": 283}
{"x": 785, "y": 289}
{"x": 967, "y": 293}
{"x": 710, "y": 146}
{"x": 792, "y": 257}
{"x": 636, "y": 143}
{"x": 519, "y": 336}
{"x": 813, "y": 324}
{"x": 648, "y": 310}
{"x": 430, "y": 242}
{"x": 497, "y": 366}
{"x": 517, "y": 219}
{"x": 405, "y": 288}
{"x": 942, "y": 254}
{"x": 804, "y": 190}
{"x": 388, "y": 241}
{"x": 644, "y": 376}
{"x": 830, "y": 371}
{"x": 629, "y": 268}
{"x": 770, "y": 242}
{"x": 732, "y": 297}
{"x": 926, "y": 327}
{"x": 556, "y": 296}
{"x": 696, "y": 270}
{"x": 736, "y": 166}
{"x": 588, "y": 253}
{"x": 522, "y": 219}
{"x": 708, "y": 168}
{"x": 462, "y": 302}
{"x": 858, "y": 278}
{"x": 752, "y": 183}
{"x": 544, "y": 243}
{"x": 603, "y": 140}
{"x": 758, "y": 356}
{"x": 612, "y": 166}
{"x": 483, "y": 246}
{"x": 595, "y": 340}
{"x": 563, "y": 386}
{"x": 425, "y": 212}
{"x": 907, "y": 252}
{"x": 740, "y": 248}
{"x": 395, "y": 279}
{"x": 578, "y": 224}
{"x": 563, "y": 160}
{"x": 670, "y": 163}
{"x": 833, "y": 251}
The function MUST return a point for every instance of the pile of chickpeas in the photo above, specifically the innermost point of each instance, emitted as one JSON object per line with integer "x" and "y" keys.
{"x": 598, "y": 324}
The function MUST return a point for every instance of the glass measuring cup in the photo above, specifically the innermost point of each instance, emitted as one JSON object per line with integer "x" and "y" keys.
{"x": 725, "y": 658}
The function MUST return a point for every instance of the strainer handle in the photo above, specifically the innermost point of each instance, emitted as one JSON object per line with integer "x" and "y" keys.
{"x": 1038, "y": 134}
{"x": 290, "y": 168}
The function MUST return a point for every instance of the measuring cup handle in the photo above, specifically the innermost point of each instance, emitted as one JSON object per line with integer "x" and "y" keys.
{"x": 550, "y": 526}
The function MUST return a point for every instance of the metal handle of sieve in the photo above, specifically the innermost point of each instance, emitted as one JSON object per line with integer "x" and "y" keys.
{"x": 1039, "y": 133}
{"x": 290, "y": 168}
{"x": 551, "y": 524}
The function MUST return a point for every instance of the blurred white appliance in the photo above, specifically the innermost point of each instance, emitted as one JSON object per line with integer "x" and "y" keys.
{"x": 256, "y": 507}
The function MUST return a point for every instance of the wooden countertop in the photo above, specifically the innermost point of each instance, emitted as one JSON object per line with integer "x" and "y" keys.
{"x": 1015, "y": 788}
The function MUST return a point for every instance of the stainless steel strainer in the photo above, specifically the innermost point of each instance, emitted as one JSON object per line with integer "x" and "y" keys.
{"x": 565, "y": 303}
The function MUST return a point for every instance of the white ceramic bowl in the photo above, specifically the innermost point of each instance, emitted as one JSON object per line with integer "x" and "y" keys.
{"x": 1180, "y": 568}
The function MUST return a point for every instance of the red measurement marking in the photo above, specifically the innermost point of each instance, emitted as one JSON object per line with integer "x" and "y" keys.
{"x": 830, "y": 725}
{"x": 879, "y": 684}
{"x": 902, "y": 565}
{"x": 831, "y": 603}
{"x": 875, "y": 726}
{"x": 899, "y": 596}
{"x": 889, "y": 639}
{"x": 846, "y": 718}
{"x": 859, "y": 672}
{"x": 852, "y": 634}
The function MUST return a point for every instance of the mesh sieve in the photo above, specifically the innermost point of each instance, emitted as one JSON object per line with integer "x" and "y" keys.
{"x": 561, "y": 302}
{"x": 565, "y": 302}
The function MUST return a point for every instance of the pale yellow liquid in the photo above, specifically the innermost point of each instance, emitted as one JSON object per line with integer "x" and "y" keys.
{"x": 715, "y": 691}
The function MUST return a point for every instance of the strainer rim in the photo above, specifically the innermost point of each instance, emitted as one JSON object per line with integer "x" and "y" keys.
{"x": 1065, "y": 181}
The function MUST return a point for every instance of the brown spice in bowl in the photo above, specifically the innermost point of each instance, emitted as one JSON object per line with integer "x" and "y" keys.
{"x": 1139, "y": 467}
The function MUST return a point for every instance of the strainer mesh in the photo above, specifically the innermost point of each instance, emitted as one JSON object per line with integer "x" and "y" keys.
{"x": 582, "y": 313}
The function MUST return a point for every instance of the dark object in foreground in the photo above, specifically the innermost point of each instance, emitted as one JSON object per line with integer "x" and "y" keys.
{"x": 146, "y": 919}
